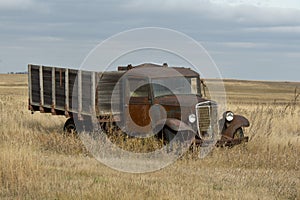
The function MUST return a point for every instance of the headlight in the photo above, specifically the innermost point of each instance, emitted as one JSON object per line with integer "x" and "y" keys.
{"x": 229, "y": 116}
{"x": 192, "y": 118}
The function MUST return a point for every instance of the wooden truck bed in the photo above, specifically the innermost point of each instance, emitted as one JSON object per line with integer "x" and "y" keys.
{"x": 63, "y": 91}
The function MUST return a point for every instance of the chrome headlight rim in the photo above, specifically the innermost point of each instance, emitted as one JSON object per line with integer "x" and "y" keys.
{"x": 229, "y": 116}
{"x": 192, "y": 118}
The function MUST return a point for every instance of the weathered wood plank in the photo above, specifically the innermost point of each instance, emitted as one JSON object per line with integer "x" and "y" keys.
{"x": 93, "y": 93}
{"x": 29, "y": 84}
{"x": 67, "y": 90}
{"x": 53, "y": 88}
{"x": 41, "y": 86}
{"x": 79, "y": 78}
{"x": 47, "y": 86}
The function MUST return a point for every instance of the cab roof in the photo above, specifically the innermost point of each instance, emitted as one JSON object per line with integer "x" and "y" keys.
{"x": 157, "y": 71}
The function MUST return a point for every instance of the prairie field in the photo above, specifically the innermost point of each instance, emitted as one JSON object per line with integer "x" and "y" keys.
{"x": 38, "y": 161}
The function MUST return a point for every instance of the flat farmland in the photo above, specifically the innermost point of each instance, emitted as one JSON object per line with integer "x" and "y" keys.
{"x": 261, "y": 92}
{"x": 37, "y": 161}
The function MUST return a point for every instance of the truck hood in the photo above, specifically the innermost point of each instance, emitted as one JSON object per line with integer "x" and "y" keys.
{"x": 179, "y": 100}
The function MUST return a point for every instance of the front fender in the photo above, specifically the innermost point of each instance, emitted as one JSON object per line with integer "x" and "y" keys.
{"x": 237, "y": 122}
{"x": 174, "y": 130}
{"x": 174, "y": 124}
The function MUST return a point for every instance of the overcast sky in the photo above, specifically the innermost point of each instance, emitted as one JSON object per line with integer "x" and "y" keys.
{"x": 247, "y": 39}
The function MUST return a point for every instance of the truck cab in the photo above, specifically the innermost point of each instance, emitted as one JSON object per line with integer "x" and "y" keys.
{"x": 166, "y": 100}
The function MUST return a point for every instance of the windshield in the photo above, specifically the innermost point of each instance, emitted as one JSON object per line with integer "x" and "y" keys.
{"x": 175, "y": 86}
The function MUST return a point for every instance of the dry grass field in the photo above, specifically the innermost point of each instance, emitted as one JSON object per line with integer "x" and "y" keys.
{"x": 38, "y": 162}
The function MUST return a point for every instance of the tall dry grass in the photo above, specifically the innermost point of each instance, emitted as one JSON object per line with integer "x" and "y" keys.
{"x": 38, "y": 162}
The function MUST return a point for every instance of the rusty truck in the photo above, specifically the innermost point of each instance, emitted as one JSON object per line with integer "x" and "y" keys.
{"x": 128, "y": 97}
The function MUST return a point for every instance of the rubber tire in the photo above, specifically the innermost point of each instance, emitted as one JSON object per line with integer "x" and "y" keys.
{"x": 166, "y": 135}
{"x": 69, "y": 126}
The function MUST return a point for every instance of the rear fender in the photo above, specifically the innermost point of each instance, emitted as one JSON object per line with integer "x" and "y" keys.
{"x": 237, "y": 122}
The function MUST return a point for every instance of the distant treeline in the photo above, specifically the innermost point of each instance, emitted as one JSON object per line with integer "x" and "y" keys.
{"x": 17, "y": 72}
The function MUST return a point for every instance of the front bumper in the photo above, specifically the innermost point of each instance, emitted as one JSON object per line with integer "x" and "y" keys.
{"x": 221, "y": 143}
{"x": 231, "y": 142}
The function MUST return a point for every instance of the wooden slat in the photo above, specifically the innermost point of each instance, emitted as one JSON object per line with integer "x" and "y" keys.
{"x": 79, "y": 81}
{"x": 67, "y": 89}
{"x": 29, "y": 84}
{"x": 60, "y": 88}
{"x": 93, "y": 92}
{"x": 35, "y": 85}
{"x": 53, "y": 88}
{"x": 72, "y": 90}
{"x": 41, "y": 86}
{"x": 47, "y": 86}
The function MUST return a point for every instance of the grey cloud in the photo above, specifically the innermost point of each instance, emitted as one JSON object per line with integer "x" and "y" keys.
{"x": 15, "y": 4}
{"x": 62, "y": 32}
{"x": 242, "y": 13}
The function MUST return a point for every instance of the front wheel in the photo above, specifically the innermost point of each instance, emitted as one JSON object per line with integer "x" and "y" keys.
{"x": 167, "y": 135}
{"x": 183, "y": 137}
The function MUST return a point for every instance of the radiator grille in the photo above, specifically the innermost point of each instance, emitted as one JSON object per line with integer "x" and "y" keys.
{"x": 203, "y": 118}
{"x": 207, "y": 117}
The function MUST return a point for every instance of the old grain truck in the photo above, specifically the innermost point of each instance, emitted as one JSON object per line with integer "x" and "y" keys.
{"x": 129, "y": 96}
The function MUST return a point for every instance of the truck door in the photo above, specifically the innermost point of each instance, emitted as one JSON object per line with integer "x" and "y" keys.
{"x": 138, "y": 97}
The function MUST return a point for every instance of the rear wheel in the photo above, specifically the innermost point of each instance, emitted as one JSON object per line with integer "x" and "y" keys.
{"x": 69, "y": 126}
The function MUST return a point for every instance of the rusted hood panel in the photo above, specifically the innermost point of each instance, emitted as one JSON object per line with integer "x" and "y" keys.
{"x": 179, "y": 100}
